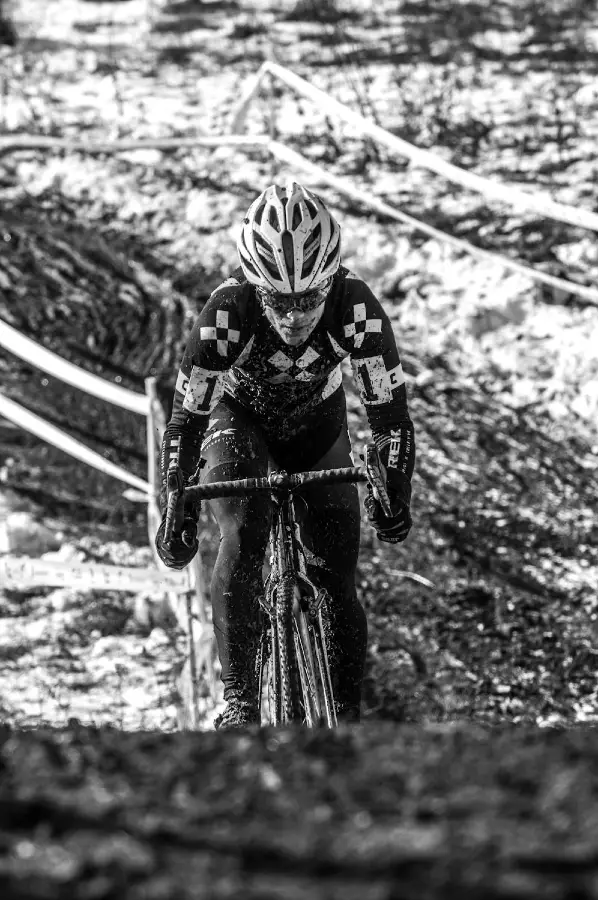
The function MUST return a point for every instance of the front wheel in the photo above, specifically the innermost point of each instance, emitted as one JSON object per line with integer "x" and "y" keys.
{"x": 278, "y": 675}
{"x": 314, "y": 668}
{"x": 294, "y": 671}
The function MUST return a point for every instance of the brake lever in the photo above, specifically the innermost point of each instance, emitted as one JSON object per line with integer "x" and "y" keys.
{"x": 376, "y": 474}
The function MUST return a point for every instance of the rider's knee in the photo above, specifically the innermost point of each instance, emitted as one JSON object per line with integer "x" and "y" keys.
{"x": 245, "y": 539}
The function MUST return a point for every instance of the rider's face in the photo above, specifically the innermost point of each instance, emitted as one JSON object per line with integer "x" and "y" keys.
{"x": 294, "y": 316}
{"x": 294, "y": 326}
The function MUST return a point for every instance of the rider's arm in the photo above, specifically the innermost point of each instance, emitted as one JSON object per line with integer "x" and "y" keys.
{"x": 214, "y": 344}
{"x": 378, "y": 373}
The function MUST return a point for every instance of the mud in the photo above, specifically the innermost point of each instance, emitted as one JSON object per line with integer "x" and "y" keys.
{"x": 376, "y": 813}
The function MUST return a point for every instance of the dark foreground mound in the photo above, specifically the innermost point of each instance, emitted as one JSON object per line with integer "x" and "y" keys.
{"x": 374, "y": 812}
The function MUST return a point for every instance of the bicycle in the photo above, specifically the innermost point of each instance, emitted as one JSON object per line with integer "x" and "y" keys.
{"x": 292, "y": 665}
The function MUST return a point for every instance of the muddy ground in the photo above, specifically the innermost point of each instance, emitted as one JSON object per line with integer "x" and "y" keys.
{"x": 474, "y": 771}
{"x": 375, "y": 812}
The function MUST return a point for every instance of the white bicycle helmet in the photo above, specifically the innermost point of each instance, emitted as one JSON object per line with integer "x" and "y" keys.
{"x": 289, "y": 242}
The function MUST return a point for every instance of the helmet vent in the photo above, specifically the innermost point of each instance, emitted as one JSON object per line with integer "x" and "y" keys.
{"x": 297, "y": 217}
{"x": 309, "y": 250}
{"x": 259, "y": 214}
{"x": 334, "y": 252}
{"x": 267, "y": 260}
{"x": 263, "y": 249}
{"x": 273, "y": 219}
{"x": 316, "y": 237}
{"x": 266, "y": 257}
{"x": 249, "y": 265}
{"x": 289, "y": 252}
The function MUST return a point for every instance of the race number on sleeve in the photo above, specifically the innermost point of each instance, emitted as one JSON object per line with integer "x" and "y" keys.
{"x": 375, "y": 382}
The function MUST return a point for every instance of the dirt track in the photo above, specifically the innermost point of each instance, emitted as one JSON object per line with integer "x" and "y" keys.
{"x": 367, "y": 813}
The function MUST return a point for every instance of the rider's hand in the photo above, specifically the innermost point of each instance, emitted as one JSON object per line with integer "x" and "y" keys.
{"x": 394, "y": 528}
{"x": 180, "y": 550}
{"x": 182, "y": 547}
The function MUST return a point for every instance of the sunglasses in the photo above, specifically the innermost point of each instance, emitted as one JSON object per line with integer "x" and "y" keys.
{"x": 304, "y": 302}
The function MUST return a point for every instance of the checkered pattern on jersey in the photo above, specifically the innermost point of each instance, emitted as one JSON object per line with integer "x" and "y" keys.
{"x": 294, "y": 369}
{"x": 220, "y": 332}
{"x": 361, "y": 325}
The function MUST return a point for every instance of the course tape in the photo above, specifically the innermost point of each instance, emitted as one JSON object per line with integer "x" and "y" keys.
{"x": 537, "y": 202}
{"x": 15, "y": 143}
{"x": 23, "y": 571}
{"x": 285, "y": 154}
{"x": 52, "y": 435}
{"x": 252, "y": 86}
{"x": 44, "y": 359}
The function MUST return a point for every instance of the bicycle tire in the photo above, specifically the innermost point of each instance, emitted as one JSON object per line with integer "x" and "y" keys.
{"x": 261, "y": 668}
{"x": 324, "y": 672}
{"x": 289, "y": 692}
{"x": 318, "y": 698}
{"x": 268, "y": 677}
{"x": 276, "y": 671}
{"x": 306, "y": 666}
{"x": 294, "y": 686}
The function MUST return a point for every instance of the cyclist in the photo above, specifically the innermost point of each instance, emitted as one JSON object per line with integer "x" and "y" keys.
{"x": 260, "y": 384}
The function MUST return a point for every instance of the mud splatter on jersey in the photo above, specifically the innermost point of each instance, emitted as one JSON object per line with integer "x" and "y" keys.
{"x": 234, "y": 351}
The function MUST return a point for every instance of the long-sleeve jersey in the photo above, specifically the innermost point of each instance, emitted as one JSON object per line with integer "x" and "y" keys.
{"x": 234, "y": 351}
